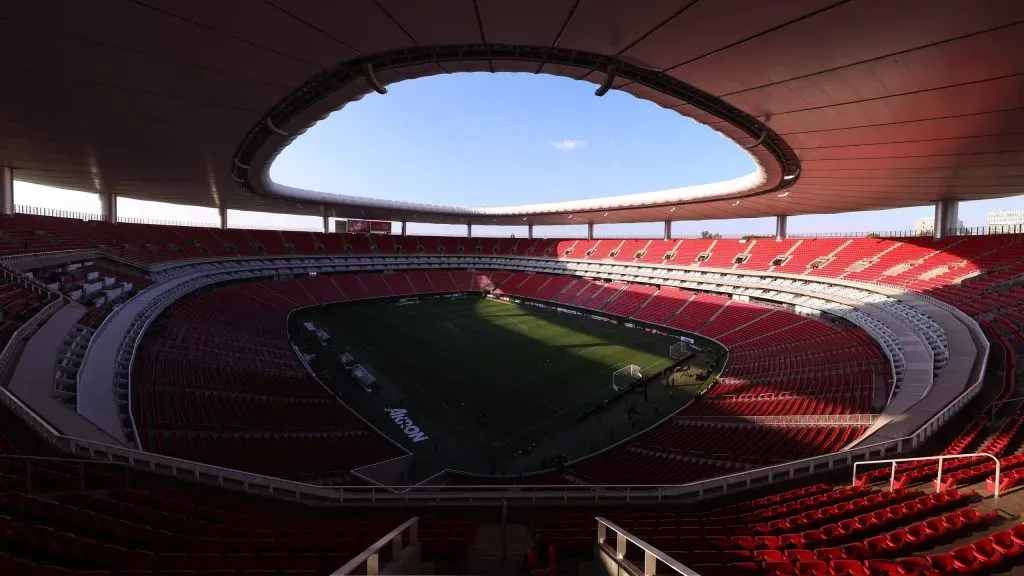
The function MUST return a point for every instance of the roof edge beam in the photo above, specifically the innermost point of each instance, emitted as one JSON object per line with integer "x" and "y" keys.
{"x": 609, "y": 79}
{"x": 371, "y": 79}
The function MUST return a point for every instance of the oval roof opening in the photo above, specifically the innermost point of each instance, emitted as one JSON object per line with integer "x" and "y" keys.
{"x": 490, "y": 140}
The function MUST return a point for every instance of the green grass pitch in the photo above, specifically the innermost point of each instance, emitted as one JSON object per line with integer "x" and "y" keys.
{"x": 496, "y": 373}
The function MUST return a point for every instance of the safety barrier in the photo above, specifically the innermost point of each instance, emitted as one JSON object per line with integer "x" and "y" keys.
{"x": 615, "y": 559}
{"x": 941, "y": 458}
{"x": 370, "y": 558}
{"x": 794, "y": 420}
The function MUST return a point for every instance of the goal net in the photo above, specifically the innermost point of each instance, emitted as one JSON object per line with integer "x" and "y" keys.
{"x": 678, "y": 351}
{"x": 625, "y": 376}
{"x": 409, "y": 300}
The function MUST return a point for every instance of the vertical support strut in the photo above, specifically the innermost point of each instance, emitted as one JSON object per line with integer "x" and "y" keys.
{"x": 223, "y": 217}
{"x": 529, "y": 231}
{"x": 404, "y": 224}
{"x": 327, "y": 218}
{"x": 947, "y": 218}
{"x": 7, "y": 181}
{"x": 469, "y": 229}
{"x": 590, "y": 231}
{"x": 667, "y": 234}
{"x": 108, "y": 206}
{"x": 781, "y": 227}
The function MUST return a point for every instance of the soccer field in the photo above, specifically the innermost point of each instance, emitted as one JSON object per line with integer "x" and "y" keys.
{"x": 495, "y": 373}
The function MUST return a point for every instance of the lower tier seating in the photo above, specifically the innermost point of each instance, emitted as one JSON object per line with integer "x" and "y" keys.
{"x": 217, "y": 380}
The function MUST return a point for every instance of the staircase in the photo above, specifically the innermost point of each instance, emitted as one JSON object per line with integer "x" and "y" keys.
{"x": 644, "y": 303}
{"x": 669, "y": 318}
{"x": 491, "y": 553}
{"x": 868, "y": 262}
{"x": 750, "y": 246}
{"x": 642, "y": 251}
{"x": 69, "y": 360}
{"x": 744, "y": 325}
{"x": 713, "y": 316}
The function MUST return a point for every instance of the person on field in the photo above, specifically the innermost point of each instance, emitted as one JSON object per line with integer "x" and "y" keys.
{"x": 541, "y": 559}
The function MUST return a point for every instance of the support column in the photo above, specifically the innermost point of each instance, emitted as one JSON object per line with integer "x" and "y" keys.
{"x": 403, "y": 227}
{"x": 781, "y": 227}
{"x": 223, "y": 217}
{"x": 327, "y": 218}
{"x": 7, "y": 194}
{"x": 108, "y": 207}
{"x": 469, "y": 229}
{"x": 529, "y": 231}
{"x": 667, "y": 235}
{"x": 590, "y": 231}
{"x": 947, "y": 218}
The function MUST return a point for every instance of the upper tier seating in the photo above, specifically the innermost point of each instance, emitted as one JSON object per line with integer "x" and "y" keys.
{"x": 916, "y": 263}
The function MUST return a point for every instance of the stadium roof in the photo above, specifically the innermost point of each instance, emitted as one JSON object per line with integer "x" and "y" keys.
{"x": 846, "y": 105}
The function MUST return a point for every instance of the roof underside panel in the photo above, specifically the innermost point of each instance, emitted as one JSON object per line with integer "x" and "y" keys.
{"x": 884, "y": 103}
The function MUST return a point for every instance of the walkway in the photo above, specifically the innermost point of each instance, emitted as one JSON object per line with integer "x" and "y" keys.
{"x": 32, "y": 381}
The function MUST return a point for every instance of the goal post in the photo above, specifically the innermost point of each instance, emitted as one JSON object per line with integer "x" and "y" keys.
{"x": 678, "y": 351}
{"x": 626, "y": 376}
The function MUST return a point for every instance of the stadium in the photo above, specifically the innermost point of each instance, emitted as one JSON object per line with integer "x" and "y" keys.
{"x": 217, "y": 401}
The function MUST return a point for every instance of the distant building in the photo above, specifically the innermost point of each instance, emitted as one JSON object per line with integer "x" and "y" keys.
{"x": 1003, "y": 220}
{"x": 926, "y": 225}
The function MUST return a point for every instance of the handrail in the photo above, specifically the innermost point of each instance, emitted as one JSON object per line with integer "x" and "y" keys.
{"x": 371, "y": 556}
{"x": 652, "y": 556}
{"x": 941, "y": 458}
{"x": 993, "y": 406}
{"x": 85, "y": 252}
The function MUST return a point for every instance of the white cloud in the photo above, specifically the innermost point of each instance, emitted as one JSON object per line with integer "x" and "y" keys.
{"x": 567, "y": 144}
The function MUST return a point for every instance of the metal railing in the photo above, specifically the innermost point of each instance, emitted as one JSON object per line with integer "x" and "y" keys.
{"x": 13, "y": 342}
{"x": 84, "y": 253}
{"x": 156, "y": 222}
{"x": 652, "y": 556}
{"x": 55, "y": 213}
{"x": 793, "y": 420}
{"x": 770, "y": 234}
{"x": 941, "y": 458}
{"x": 370, "y": 558}
{"x": 44, "y": 464}
{"x": 311, "y": 228}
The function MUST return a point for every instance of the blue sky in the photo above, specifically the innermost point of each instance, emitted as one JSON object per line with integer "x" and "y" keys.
{"x": 482, "y": 139}
{"x": 493, "y": 139}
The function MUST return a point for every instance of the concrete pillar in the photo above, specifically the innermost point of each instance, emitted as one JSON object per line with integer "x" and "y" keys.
{"x": 947, "y": 218}
{"x": 667, "y": 235}
{"x": 403, "y": 227}
{"x": 781, "y": 227}
{"x": 469, "y": 229}
{"x": 529, "y": 231}
{"x": 108, "y": 207}
{"x": 327, "y": 218}
{"x": 7, "y": 181}
{"x": 590, "y": 231}
{"x": 223, "y": 217}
